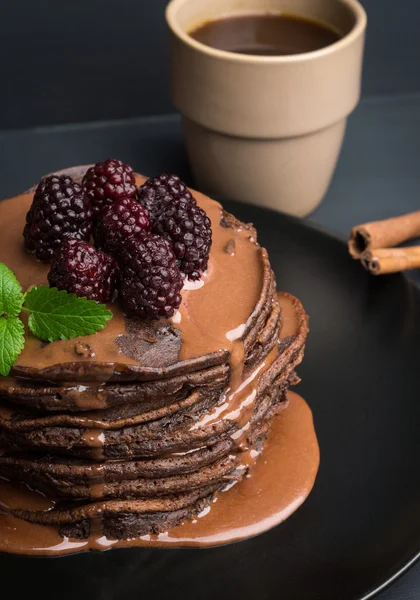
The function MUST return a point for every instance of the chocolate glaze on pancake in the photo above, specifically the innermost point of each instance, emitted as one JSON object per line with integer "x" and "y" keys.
{"x": 277, "y": 486}
{"x": 152, "y": 421}
{"x": 245, "y": 278}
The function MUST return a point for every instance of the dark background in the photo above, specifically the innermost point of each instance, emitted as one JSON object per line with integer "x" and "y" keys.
{"x": 84, "y": 60}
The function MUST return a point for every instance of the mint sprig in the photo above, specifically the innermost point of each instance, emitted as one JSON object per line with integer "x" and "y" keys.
{"x": 54, "y": 315}
{"x": 11, "y": 297}
{"x": 12, "y": 341}
{"x": 58, "y": 315}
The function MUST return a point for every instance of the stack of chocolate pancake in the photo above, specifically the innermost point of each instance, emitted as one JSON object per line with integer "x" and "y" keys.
{"x": 133, "y": 430}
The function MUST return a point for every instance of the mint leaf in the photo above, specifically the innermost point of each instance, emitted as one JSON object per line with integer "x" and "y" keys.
{"x": 58, "y": 315}
{"x": 11, "y": 297}
{"x": 12, "y": 340}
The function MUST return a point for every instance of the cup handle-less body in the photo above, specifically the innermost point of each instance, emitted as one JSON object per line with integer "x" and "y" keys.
{"x": 288, "y": 174}
{"x": 266, "y": 130}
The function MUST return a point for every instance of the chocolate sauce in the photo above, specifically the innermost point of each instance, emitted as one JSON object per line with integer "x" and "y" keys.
{"x": 239, "y": 275}
{"x": 95, "y": 438}
{"x": 284, "y": 475}
{"x": 277, "y": 485}
{"x": 89, "y": 397}
{"x": 266, "y": 34}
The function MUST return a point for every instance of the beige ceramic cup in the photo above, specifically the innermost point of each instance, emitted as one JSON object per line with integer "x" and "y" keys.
{"x": 266, "y": 130}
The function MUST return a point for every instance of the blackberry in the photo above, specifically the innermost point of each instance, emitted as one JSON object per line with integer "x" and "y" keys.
{"x": 160, "y": 190}
{"x": 59, "y": 210}
{"x": 123, "y": 220}
{"x": 108, "y": 181}
{"x": 188, "y": 228}
{"x": 151, "y": 281}
{"x": 80, "y": 269}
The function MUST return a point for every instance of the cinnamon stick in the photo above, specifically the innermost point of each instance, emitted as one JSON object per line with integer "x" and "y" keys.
{"x": 380, "y": 261}
{"x": 383, "y": 234}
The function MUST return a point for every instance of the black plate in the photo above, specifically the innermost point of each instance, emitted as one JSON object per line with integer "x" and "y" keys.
{"x": 361, "y": 525}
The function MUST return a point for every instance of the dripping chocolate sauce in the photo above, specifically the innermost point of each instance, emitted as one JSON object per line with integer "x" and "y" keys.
{"x": 273, "y": 488}
{"x": 276, "y": 485}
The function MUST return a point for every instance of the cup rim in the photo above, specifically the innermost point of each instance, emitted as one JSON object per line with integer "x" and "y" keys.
{"x": 354, "y": 33}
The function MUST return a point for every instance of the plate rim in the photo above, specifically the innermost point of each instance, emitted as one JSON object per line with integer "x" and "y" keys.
{"x": 337, "y": 236}
{"x": 308, "y": 223}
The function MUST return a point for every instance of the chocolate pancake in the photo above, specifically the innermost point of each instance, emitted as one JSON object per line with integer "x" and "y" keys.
{"x": 134, "y": 429}
{"x": 150, "y": 394}
{"x": 168, "y": 477}
{"x": 133, "y": 349}
{"x": 141, "y": 498}
{"x": 132, "y": 434}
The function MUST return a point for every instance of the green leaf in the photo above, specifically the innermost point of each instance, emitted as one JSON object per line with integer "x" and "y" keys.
{"x": 12, "y": 340}
{"x": 11, "y": 297}
{"x": 58, "y": 315}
